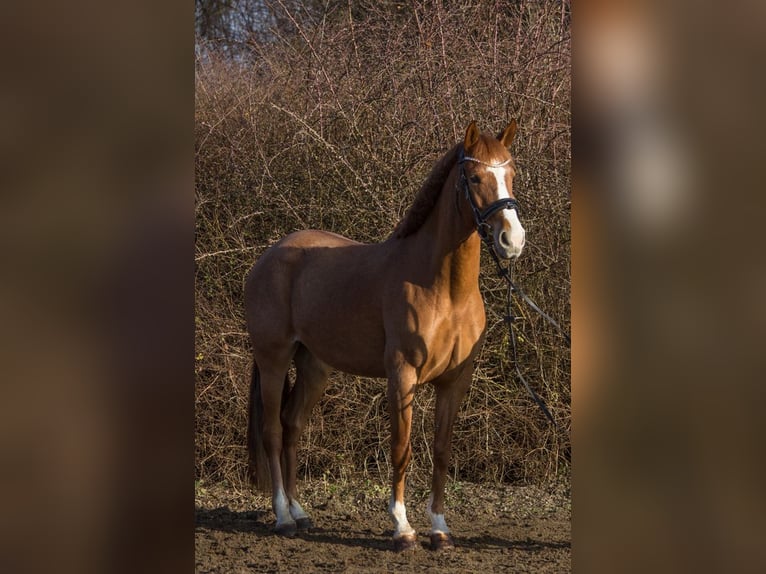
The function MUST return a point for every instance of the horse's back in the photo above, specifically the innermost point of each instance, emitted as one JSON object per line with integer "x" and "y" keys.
{"x": 291, "y": 250}
{"x": 315, "y": 238}
{"x": 274, "y": 275}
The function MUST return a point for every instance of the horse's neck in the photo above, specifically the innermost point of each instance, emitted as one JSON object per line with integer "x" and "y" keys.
{"x": 455, "y": 247}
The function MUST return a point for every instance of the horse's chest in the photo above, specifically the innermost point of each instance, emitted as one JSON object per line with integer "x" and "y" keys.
{"x": 450, "y": 342}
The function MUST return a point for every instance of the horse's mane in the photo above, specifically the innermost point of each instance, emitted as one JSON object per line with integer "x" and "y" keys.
{"x": 427, "y": 196}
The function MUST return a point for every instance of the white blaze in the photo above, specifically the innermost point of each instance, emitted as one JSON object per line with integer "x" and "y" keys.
{"x": 502, "y": 189}
{"x": 517, "y": 231}
{"x": 510, "y": 215}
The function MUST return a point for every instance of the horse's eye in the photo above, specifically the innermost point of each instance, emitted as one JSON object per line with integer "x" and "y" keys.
{"x": 475, "y": 179}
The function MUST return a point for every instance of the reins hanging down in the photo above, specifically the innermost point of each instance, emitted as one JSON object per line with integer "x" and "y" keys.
{"x": 505, "y": 273}
{"x": 481, "y": 218}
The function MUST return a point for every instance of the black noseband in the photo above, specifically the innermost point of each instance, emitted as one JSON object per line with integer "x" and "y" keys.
{"x": 505, "y": 203}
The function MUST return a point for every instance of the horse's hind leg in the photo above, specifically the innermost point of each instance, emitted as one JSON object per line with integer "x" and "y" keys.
{"x": 310, "y": 383}
{"x": 273, "y": 381}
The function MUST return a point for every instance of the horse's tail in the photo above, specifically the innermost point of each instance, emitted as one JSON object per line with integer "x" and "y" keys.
{"x": 258, "y": 467}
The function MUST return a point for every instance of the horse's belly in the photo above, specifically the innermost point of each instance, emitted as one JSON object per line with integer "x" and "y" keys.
{"x": 348, "y": 337}
{"x": 350, "y": 352}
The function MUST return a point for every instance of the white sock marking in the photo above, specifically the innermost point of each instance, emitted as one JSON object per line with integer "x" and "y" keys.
{"x": 281, "y": 508}
{"x": 399, "y": 515}
{"x": 438, "y": 524}
{"x": 296, "y": 511}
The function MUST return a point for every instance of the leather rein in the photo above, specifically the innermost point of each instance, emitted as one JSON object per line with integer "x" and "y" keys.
{"x": 482, "y": 227}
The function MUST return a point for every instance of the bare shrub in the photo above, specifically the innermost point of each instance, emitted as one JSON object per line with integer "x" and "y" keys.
{"x": 333, "y": 123}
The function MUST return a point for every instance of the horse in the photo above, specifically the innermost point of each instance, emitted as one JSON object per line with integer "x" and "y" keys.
{"x": 407, "y": 309}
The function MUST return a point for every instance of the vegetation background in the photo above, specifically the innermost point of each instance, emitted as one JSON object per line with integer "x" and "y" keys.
{"x": 330, "y": 114}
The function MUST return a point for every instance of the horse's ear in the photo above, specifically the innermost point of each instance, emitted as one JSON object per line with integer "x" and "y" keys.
{"x": 506, "y": 137}
{"x": 471, "y": 136}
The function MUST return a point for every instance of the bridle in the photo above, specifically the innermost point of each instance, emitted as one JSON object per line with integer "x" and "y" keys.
{"x": 481, "y": 217}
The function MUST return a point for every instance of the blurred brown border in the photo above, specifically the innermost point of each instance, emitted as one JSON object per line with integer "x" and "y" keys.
{"x": 668, "y": 313}
{"x": 97, "y": 297}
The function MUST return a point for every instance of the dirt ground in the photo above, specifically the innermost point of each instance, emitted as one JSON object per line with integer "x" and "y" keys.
{"x": 496, "y": 529}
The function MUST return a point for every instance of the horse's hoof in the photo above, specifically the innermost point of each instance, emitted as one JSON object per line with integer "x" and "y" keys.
{"x": 405, "y": 542}
{"x": 304, "y": 524}
{"x": 288, "y": 529}
{"x": 441, "y": 541}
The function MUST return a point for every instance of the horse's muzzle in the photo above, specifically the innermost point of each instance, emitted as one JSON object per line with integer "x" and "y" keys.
{"x": 509, "y": 243}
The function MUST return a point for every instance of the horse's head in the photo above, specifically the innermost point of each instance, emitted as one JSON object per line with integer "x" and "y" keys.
{"x": 487, "y": 171}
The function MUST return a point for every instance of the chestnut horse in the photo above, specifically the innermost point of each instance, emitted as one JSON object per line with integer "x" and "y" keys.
{"x": 407, "y": 309}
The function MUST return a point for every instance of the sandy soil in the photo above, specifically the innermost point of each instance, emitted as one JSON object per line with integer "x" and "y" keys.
{"x": 496, "y": 529}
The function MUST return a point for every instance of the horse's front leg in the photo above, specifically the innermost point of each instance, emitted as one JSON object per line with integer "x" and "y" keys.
{"x": 449, "y": 395}
{"x": 401, "y": 386}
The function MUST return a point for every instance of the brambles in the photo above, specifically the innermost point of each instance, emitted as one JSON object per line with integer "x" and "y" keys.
{"x": 334, "y": 126}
